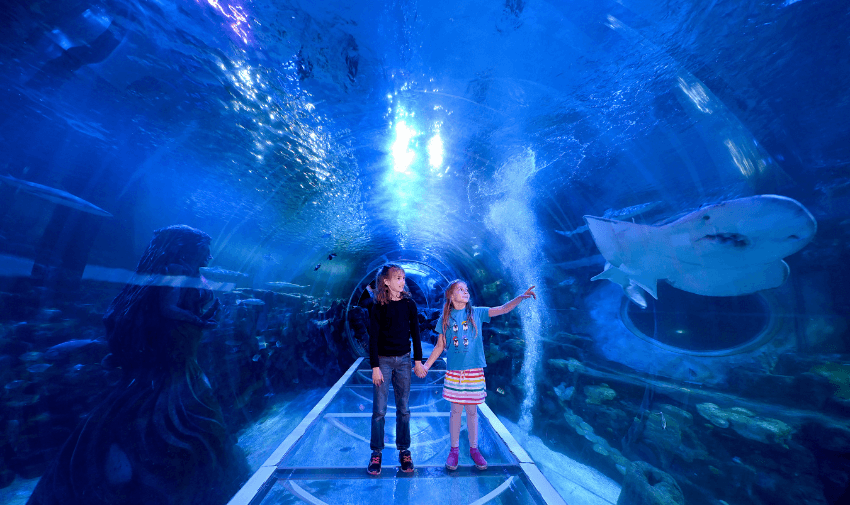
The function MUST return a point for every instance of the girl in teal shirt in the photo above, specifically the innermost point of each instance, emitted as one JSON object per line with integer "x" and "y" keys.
{"x": 464, "y": 387}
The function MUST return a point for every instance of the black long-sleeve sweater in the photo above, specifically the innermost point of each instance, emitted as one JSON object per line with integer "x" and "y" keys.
{"x": 393, "y": 326}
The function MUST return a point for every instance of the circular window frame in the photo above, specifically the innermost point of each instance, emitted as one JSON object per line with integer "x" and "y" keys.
{"x": 422, "y": 260}
{"x": 770, "y": 330}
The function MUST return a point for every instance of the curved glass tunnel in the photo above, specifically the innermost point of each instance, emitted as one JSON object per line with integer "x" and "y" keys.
{"x": 674, "y": 178}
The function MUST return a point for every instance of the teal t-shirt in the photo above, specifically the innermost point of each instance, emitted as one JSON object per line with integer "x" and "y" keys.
{"x": 464, "y": 346}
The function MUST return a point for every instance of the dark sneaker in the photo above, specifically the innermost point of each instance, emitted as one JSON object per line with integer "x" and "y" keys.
{"x": 374, "y": 467}
{"x": 451, "y": 461}
{"x": 480, "y": 462}
{"x": 406, "y": 461}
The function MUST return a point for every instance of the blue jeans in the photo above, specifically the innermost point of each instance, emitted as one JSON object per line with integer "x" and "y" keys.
{"x": 397, "y": 369}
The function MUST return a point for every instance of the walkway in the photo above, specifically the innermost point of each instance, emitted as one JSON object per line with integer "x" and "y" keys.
{"x": 323, "y": 461}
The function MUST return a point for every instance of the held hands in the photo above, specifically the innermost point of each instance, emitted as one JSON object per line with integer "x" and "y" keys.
{"x": 377, "y": 376}
{"x": 419, "y": 370}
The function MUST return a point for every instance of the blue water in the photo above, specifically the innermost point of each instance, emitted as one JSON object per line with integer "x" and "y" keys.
{"x": 315, "y": 141}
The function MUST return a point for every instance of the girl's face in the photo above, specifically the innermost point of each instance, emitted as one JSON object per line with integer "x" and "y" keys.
{"x": 395, "y": 283}
{"x": 460, "y": 295}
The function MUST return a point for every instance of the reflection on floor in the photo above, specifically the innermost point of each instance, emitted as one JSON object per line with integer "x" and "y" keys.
{"x": 258, "y": 441}
{"x": 282, "y": 416}
{"x": 577, "y": 483}
{"x": 18, "y": 492}
{"x": 323, "y": 461}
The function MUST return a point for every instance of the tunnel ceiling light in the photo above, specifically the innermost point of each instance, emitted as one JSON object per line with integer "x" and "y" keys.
{"x": 403, "y": 156}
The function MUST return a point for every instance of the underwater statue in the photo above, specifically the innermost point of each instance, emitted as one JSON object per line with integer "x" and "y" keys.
{"x": 159, "y": 437}
{"x": 727, "y": 249}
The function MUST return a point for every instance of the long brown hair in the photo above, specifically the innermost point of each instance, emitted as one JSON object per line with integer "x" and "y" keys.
{"x": 382, "y": 291}
{"x": 447, "y": 307}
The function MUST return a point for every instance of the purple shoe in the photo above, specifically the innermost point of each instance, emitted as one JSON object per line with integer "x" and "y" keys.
{"x": 451, "y": 461}
{"x": 480, "y": 462}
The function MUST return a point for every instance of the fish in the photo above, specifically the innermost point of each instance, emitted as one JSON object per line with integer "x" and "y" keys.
{"x": 663, "y": 421}
{"x": 730, "y": 248}
{"x": 282, "y": 285}
{"x": 589, "y": 261}
{"x": 580, "y": 229}
{"x": 89, "y": 351}
{"x": 331, "y": 256}
{"x": 16, "y": 384}
{"x": 317, "y": 267}
{"x": 251, "y": 301}
{"x": 31, "y": 356}
{"x": 55, "y": 195}
{"x": 630, "y": 212}
{"x": 620, "y": 214}
{"x": 500, "y": 391}
{"x": 218, "y": 273}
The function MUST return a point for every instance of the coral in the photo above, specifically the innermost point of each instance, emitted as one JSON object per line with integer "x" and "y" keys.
{"x": 493, "y": 354}
{"x": 563, "y": 392}
{"x": 838, "y": 374}
{"x": 714, "y": 414}
{"x": 571, "y": 364}
{"x": 647, "y": 485}
{"x": 599, "y": 394}
{"x": 747, "y": 424}
{"x": 682, "y": 416}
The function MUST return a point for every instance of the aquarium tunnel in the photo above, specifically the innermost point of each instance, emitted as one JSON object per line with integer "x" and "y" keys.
{"x": 197, "y": 197}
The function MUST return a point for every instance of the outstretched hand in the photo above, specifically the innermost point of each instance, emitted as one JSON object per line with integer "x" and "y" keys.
{"x": 529, "y": 293}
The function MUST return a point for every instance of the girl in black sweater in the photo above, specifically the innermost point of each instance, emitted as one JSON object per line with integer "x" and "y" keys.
{"x": 393, "y": 326}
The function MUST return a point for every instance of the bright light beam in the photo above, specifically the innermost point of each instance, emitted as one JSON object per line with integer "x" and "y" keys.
{"x": 403, "y": 156}
{"x": 435, "y": 152}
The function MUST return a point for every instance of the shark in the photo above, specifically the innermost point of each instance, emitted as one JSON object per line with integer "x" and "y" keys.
{"x": 54, "y": 195}
{"x": 730, "y": 248}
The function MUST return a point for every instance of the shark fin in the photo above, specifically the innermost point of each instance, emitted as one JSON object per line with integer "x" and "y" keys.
{"x": 647, "y": 284}
{"x": 610, "y": 272}
{"x": 619, "y": 241}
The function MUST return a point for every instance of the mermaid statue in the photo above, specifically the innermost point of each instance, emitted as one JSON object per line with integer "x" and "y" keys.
{"x": 159, "y": 437}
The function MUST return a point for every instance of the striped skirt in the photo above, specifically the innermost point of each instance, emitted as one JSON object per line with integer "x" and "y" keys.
{"x": 465, "y": 386}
